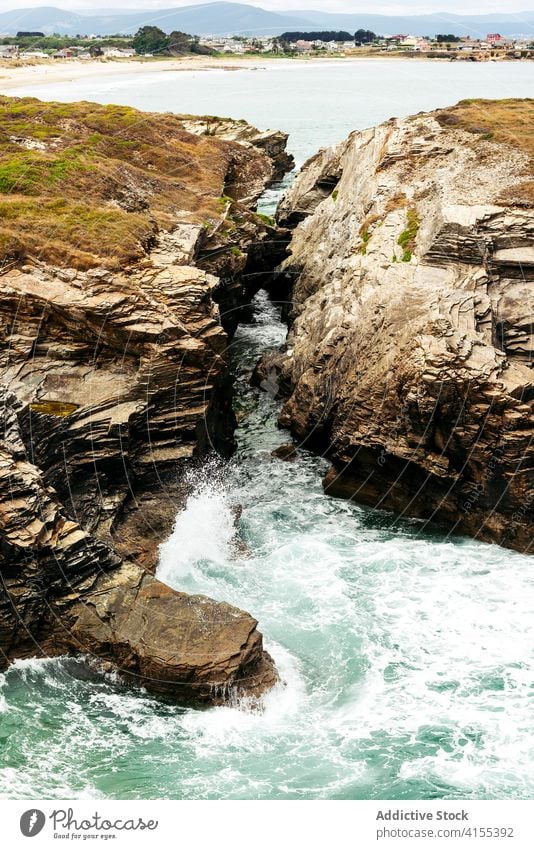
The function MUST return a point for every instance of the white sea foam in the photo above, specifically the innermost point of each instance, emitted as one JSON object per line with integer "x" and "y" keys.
{"x": 450, "y": 663}
{"x": 413, "y": 648}
{"x": 395, "y": 649}
{"x": 24, "y": 784}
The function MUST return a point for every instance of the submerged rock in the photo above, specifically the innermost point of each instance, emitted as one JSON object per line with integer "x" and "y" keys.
{"x": 287, "y": 451}
{"x": 409, "y": 359}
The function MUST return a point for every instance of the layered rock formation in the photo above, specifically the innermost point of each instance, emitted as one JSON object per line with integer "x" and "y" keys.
{"x": 115, "y": 378}
{"x": 409, "y": 359}
{"x": 65, "y": 591}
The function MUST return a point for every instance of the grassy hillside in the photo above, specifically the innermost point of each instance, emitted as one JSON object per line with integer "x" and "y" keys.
{"x": 83, "y": 184}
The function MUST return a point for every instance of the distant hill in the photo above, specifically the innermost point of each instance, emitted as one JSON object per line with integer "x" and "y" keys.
{"x": 518, "y": 23}
{"x": 211, "y": 18}
{"x": 46, "y": 19}
{"x": 237, "y": 18}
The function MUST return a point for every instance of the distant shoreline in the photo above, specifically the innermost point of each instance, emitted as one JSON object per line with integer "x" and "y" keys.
{"x": 64, "y": 71}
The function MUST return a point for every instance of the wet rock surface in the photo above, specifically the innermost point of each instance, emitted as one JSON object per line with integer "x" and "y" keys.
{"x": 66, "y": 591}
{"x": 287, "y": 452}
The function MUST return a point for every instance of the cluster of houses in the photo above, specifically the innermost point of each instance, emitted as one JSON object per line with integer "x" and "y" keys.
{"x": 237, "y": 45}
{"x": 269, "y": 44}
{"x": 13, "y": 51}
{"x": 494, "y": 43}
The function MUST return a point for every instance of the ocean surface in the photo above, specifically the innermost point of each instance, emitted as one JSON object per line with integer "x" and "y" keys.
{"x": 406, "y": 656}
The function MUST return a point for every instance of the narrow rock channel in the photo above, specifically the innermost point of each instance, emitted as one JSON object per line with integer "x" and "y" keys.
{"x": 404, "y": 656}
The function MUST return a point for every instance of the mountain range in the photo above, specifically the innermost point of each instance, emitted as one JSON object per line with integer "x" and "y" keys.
{"x": 222, "y": 18}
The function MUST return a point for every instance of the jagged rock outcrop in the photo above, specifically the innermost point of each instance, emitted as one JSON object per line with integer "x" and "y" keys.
{"x": 272, "y": 142}
{"x": 409, "y": 358}
{"x": 114, "y": 378}
{"x": 243, "y": 250}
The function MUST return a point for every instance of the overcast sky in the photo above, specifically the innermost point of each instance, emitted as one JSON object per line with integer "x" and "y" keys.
{"x": 386, "y": 7}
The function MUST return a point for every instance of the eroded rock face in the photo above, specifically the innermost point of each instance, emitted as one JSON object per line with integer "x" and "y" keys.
{"x": 119, "y": 380}
{"x": 112, "y": 383}
{"x": 185, "y": 646}
{"x": 409, "y": 356}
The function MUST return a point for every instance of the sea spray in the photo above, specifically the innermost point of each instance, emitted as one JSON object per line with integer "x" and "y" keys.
{"x": 205, "y": 531}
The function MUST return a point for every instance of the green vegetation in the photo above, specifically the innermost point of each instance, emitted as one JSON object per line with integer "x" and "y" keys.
{"x": 322, "y": 35}
{"x": 16, "y": 175}
{"x": 150, "y": 39}
{"x": 364, "y": 36}
{"x": 267, "y": 219}
{"x": 73, "y": 234}
{"x": 366, "y": 230}
{"x": 26, "y": 175}
{"x": 335, "y": 194}
{"x": 51, "y": 43}
{"x": 365, "y": 236}
{"x": 407, "y": 238}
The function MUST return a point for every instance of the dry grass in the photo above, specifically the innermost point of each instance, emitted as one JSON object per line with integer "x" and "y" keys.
{"x": 83, "y": 184}
{"x": 509, "y": 121}
{"x": 396, "y": 202}
{"x": 69, "y": 233}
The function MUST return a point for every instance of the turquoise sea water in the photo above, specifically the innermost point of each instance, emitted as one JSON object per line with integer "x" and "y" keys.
{"x": 406, "y": 657}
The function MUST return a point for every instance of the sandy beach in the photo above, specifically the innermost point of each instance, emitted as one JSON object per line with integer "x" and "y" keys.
{"x": 11, "y": 77}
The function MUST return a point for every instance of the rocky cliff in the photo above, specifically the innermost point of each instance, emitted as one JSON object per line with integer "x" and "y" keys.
{"x": 409, "y": 358}
{"x": 124, "y": 238}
